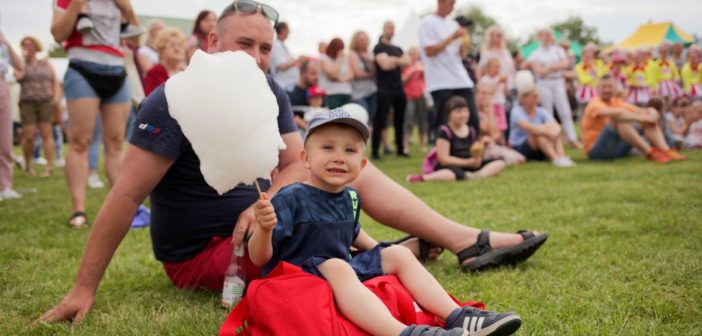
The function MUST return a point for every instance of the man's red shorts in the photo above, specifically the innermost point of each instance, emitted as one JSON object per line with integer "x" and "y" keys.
{"x": 206, "y": 270}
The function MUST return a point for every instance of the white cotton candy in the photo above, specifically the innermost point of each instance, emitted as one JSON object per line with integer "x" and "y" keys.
{"x": 227, "y": 111}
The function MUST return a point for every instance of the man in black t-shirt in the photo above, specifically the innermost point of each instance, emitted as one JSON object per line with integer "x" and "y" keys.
{"x": 389, "y": 60}
{"x": 309, "y": 77}
{"x": 202, "y": 238}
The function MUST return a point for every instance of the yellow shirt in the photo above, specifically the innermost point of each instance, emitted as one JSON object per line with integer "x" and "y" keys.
{"x": 661, "y": 70}
{"x": 590, "y": 75}
{"x": 637, "y": 76}
{"x": 690, "y": 76}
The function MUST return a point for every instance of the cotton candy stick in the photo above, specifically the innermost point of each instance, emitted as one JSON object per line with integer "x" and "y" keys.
{"x": 258, "y": 187}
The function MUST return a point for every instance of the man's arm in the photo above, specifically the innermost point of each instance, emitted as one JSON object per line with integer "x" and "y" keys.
{"x": 621, "y": 114}
{"x": 141, "y": 172}
{"x": 291, "y": 170}
{"x": 434, "y": 49}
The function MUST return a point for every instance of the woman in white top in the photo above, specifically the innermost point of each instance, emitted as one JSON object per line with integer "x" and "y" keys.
{"x": 335, "y": 77}
{"x": 363, "y": 87}
{"x": 283, "y": 66}
{"x": 495, "y": 46}
{"x": 548, "y": 63}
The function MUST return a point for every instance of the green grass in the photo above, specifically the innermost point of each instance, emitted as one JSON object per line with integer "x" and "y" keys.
{"x": 623, "y": 257}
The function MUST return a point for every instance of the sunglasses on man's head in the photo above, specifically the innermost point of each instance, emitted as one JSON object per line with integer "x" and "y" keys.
{"x": 251, "y": 7}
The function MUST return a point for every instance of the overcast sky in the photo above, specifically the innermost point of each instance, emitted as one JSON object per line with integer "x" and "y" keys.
{"x": 312, "y": 21}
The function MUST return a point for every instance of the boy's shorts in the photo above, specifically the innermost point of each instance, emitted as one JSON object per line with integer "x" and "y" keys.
{"x": 367, "y": 265}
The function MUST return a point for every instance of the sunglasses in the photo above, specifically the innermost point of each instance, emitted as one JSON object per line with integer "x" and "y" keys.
{"x": 252, "y": 7}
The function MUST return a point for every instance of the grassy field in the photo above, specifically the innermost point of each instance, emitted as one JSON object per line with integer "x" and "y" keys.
{"x": 623, "y": 258}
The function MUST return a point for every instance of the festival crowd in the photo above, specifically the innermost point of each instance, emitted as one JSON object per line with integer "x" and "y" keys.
{"x": 476, "y": 111}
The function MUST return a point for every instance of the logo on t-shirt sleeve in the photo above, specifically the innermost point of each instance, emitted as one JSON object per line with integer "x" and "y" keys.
{"x": 150, "y": 128}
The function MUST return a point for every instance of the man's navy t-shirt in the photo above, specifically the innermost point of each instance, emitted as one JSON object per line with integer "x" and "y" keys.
{"x": 185, "y": 211}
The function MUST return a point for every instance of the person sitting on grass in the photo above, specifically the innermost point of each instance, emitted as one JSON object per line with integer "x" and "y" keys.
{"x": 494, "y": 141}
{"x": 675, "y": 120}
{"x": 612, "y": 127}
{"x": 313, "y": 225}
{"x": 458, "y": 149}
{"x": 533, "y": 131}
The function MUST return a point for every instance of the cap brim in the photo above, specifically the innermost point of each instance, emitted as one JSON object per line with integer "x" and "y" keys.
{"x": 355, "y": 123}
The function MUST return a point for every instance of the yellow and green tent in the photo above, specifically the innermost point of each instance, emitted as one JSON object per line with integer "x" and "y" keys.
{"x": 653, "y": 34}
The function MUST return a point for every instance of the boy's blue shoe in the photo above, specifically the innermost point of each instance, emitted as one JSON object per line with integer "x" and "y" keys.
{"x": 482, "y": 323}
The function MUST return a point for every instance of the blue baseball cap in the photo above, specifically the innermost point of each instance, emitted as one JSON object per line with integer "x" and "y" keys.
{"x": 337, "y": 116}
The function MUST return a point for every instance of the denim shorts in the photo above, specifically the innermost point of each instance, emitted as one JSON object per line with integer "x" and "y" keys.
{"x": 609, "y": 146}
{"x": 75, "y": 86}
{"x": 367, "y": 265}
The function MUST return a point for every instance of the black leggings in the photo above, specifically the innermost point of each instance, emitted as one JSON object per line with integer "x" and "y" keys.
{"x": 398, "y": 101}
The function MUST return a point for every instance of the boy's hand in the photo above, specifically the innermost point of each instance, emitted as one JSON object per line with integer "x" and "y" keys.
{"x": 265, "y": 213}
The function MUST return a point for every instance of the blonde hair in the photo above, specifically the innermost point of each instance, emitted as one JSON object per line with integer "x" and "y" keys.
{"x": 35, "y": 42}
{"x": 527, "y": 90}
{"x": 488, "y": 41}
{"x": 353, "y": 44}
{"x": 153, "y": 24}
{"x": 166, "y": 35}
{"x": 493, "y": 60}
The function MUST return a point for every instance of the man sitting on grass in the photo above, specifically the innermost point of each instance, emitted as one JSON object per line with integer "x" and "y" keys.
{"x": 611, "y": 127}
{"x": 193, "y": 228}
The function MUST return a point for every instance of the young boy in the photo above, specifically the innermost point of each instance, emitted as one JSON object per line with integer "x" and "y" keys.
{"x": 313, "y": 225}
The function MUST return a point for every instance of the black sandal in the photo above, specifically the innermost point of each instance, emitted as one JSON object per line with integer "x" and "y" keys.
{"x": 487, "y": 257}
{"x": 78, "y": 220}
{"x": 424, "y": 246}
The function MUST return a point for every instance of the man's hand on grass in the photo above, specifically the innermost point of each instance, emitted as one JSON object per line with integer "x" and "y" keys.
{"x": 74, "y": 306}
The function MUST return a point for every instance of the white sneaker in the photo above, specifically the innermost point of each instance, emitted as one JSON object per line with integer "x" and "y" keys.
{"x": 563, "y": 162}
{"x": 21, "y": 163}
{"x": 41, "y": 161}
{"x": 94, "y": 182}
{"x": 9, "y": 193}
{"x": 84, "y": 25}
{"x": 60, "y": 163}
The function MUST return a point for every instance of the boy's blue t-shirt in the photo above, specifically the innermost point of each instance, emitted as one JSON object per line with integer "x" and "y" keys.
{"x": 518, "y": 135}
{"x": 313, "y": 223}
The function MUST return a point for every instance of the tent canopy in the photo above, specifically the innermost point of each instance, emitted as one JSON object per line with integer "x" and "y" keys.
{"x": 653, "y": 34}
{"x": 528, "y": 48}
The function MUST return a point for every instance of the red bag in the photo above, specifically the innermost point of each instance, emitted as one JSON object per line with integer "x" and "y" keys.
{"x": 292, "y": 302}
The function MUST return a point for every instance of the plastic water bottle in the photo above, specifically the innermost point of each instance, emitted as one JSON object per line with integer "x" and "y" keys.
{"x": 234, "y": 280}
